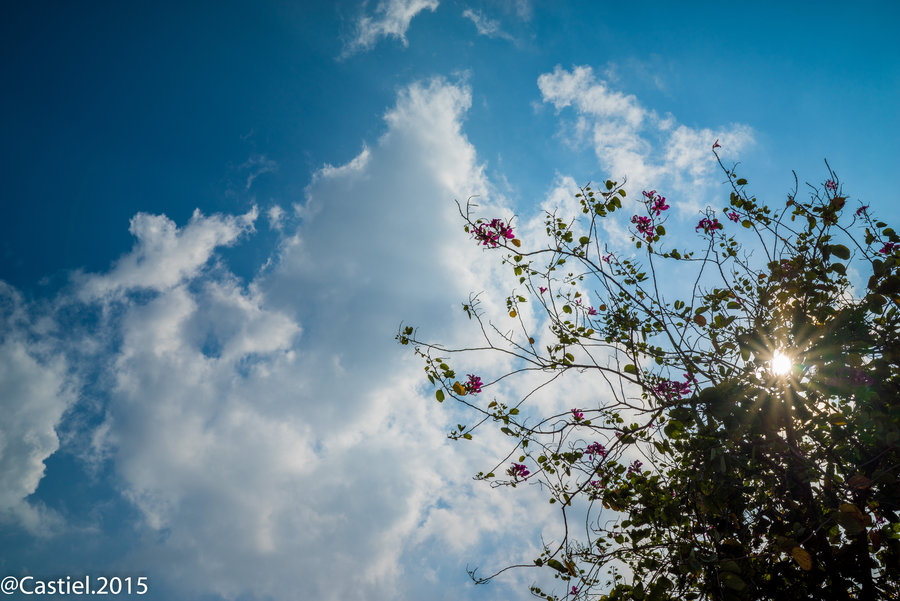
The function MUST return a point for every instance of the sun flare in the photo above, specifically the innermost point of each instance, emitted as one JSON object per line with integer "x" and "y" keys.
{"x": 781, "y": 364}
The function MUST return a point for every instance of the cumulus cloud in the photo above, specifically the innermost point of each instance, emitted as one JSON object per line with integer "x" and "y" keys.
{"x": 391, "y": 19}
{"x": 165, "y": 255}
{"x": 272, "y": 435}
{"x": 634, "y": 142}
{"x": 35, "y": 392}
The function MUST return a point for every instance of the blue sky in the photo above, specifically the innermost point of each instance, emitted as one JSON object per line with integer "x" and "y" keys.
{"x": 218, "y": 213}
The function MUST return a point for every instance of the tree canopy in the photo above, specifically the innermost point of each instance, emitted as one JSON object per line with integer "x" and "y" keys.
{"x": 747, "y": 442}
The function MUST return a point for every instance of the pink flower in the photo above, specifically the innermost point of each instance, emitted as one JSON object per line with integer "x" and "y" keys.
{"x": 577, "y": 414}
{"x": 671, "y": 390}
{"x": 889, "y": 247}
{"x": 595, "y": 448}
{"x": 862, "y": 210}
{"x": 574, "y": 590}
{"x": 607, "y": 258}
{"x": 644, "y": 226}
{"x": 830, "y": 185}
{"x": 542, "y": 289}
{"x": 592, "y": 311}
{"x": 658, "y": 203}
{"x": 596, "y": 483}
{"x": 709, "y": 225}
{"x": 518, "y": 470}
{"x": 634, "y": 468}
{"x": 733, "y": 216}
{"x": 489, "y": 234}
{"x": 716, "y": 144}
{"x": 473, "y": 386}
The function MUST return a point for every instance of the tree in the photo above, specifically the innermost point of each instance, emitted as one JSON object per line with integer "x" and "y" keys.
{"x": 748, "y": 443}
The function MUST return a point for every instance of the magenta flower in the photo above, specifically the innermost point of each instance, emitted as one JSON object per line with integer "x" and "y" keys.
{"x": 490, "y": 234}
{"x": 596, "y": 483}
{"x": 644, "y": 226}
{"x": 592, "y": 311}
{"x": 473, "y": 386}
{"x": 542, "y": 289}
{"x": 733, "y": 216}
{"x": 607, "y": 258}
{"x": 862, "y": 210}
{"x": 830, "y": 185}
{"x": 658, "y": 203}
{"x": 709, "y": 225}
{"x": 577, "y": 414}
{"x": 671, "y": 390}
{"x": 595, "y": 448}
{"x": 518, "y": 470}
{"x": 574, "y": 590}
{"x": 634, "y": 468}
{"x": 716, "y": 144}
{"x": 889, "y": 247}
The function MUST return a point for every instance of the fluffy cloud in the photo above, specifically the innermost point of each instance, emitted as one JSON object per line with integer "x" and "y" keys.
{"x": 271, "y": 434}
{"x": 391, "y": 19}
{"x": 34, "y": 394}
{"x": 634, "y": 142}
{"x": 165, "y": 255}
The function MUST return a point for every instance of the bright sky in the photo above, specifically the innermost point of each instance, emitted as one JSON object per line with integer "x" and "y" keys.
{"x": 217, "y": 214}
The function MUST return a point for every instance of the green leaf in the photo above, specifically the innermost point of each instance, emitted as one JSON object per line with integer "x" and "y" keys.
{"x": 439, "y": 395}
{"x": 630, "y": 369}
{"x": 674, "y": 429}
{"x": 584, "y": 240}
{"x": 557, "y": 565}
{"x": 567, "y": 309}
{"x": 840, "y": 251}
{"x": 747, "y": 223}
{"x": 741, "y": 182}
{"x": 733, "y": 581}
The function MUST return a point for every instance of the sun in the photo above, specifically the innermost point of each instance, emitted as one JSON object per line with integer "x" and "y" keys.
{"x": 781, "y": 364}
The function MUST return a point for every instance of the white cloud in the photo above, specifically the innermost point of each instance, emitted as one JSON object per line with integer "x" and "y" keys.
{"x": 34, "y": 394}
{"x": 391, "y": 19}
{"x": 484, "y": 25}
{"x": 634, "y": 142}
{"x": 271, "y": 435}
{"x": 165, "y": 255}
{"x": 276, "y": 217}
